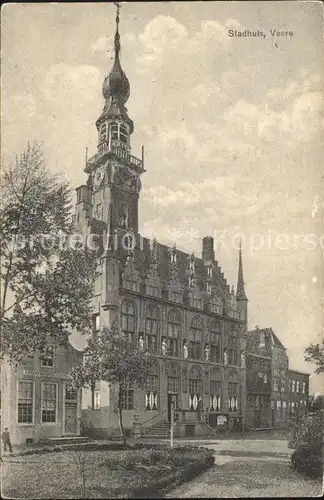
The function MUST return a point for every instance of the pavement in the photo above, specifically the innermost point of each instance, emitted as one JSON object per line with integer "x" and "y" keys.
{"x": 248, "y": 469}
{"x": 244, "y": 468}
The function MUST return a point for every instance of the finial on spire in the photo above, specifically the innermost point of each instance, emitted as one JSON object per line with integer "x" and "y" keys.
{"x": 117, "y": 36}
{"x": 117, "y": 12}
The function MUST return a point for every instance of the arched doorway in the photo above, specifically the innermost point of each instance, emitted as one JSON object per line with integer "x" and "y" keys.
{"x": 173, "y": 386}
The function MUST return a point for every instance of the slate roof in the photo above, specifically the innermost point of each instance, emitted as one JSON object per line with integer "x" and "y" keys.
{"x": 269, "y": 335}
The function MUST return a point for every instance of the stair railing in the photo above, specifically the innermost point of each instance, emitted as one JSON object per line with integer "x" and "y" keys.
{"x": 150, "y": 420}
{"x": 212, "y": 430}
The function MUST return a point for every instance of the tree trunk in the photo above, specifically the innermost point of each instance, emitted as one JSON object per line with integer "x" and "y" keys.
{"x": 93, "y": 386}
{"x": 120, "y": 413}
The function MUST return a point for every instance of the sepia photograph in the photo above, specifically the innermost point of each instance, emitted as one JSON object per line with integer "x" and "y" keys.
{"x": 162, "y": 244}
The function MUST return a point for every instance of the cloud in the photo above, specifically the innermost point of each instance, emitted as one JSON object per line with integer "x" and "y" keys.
{"x": 66, "y": 82}
{"x": 20, "y": 106}
{"x": 162, "y": 33}
{"x": 307, "y": 115}
{"x": 102, "y": 44}
{"x": 164, "y": 42}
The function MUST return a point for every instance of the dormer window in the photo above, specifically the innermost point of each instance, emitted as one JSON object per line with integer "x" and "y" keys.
{"x": 191, "y": 281}
{"x": 173, "y": 258}
{"x": 123, "y": 134}
{"x": 209, "y": 271}
{"x": 124, "y": 217}
{"x": 114, "y": 131}
{"x": 208, "y": 287}
{"x": 103, "y": 133}
{"x": 192, "y": 265}
{"x": 47, "y": 356}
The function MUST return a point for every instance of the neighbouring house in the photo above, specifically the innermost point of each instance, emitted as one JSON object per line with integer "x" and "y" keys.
{"x": 298, "y": 395}
{"x": 276, "y": 395}
{"x": 37, "y": 401}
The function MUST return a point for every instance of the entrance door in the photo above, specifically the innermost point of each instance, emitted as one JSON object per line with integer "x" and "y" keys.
{"x": 71, "y": 419}
{"x": 174, "y": 398}
{"x": 258, "y": 421}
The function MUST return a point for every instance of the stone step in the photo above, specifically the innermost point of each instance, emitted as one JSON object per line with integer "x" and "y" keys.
{"x": 65, "y": 440}
{"x": 155, "y": 436}
{"x": 155, "y": 431}
{"x": 161, "y": 430}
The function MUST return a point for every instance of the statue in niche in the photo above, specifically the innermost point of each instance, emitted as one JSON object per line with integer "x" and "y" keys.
{"x": 185, "y": 349}
{"x": 242, "y": 360}
{"x": 124, "y": 219}
{"x": 206, "y": 352}
{"x": 141, "y": 342}
{"x": 225, "y": 357}
{"x": 164, "y": 346}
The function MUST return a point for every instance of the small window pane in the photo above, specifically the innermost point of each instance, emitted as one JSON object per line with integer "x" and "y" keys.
{"x": 25, "y": 402}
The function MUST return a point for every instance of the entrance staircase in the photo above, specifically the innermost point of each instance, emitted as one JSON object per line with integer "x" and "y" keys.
{"x": 156, "y": 427}
{"x": 159, "y": 430}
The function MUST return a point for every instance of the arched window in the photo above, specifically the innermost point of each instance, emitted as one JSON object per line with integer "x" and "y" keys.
{"x": 152, "y": 323}
{"x": 123, "y": 134}
{"x": 215, "y": 390}
{"x": 232, "y": 348}
{"x": 174, "y": 323}
{"x": 128, "y": 318}
{"x": 195, "y": 338}
{"x": 233, "y": 391}
{"x": 173, "y": 256}
{"x": 195, "y": 387}
{"x": 173, "y": 374}
{"x": 103, "y": 133}
{"x": 152, "y": 388}
{"x": 215, "y": 342}
{"x": 114, "y": 131}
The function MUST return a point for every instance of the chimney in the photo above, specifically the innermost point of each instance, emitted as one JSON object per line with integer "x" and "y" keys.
{"x": 208, "y": 248}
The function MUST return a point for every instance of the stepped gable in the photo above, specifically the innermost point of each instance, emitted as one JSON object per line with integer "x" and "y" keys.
{"x": 142, "y": 255}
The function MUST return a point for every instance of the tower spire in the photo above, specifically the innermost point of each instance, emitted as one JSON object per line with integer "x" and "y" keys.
{"x": 116, "y": 88}
{"x": 240, "y": 291}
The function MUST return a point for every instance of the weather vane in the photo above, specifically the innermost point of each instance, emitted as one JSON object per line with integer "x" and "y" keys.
{"x": 117, "y": 13}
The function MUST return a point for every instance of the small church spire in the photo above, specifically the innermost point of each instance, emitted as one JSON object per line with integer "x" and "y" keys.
{"x": 240, "y": 291}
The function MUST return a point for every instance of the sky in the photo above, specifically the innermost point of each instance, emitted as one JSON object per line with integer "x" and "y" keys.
{"x": 231, "y": 128}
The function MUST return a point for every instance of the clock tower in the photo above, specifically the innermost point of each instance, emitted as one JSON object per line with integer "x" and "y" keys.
{"x": 110, "y": 198}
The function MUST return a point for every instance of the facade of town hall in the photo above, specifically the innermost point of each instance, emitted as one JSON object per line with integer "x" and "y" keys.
{"x": 217, "y": 373}
{"x": 178, "y": 304}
